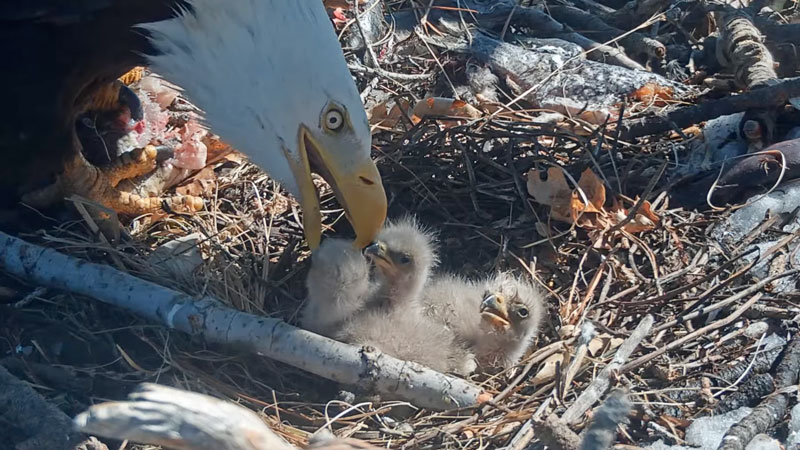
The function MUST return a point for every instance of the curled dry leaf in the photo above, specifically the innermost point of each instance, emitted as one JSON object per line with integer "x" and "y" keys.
{"x": 219, "y": 149}
{"x": 382, "y": 114}
{"x": 201, "y": 184}
{"x": 585, "y": 205}
{"x": 547, "y": 370}
{"x": 655, "y": 94}
{"x": 603, "y": 343}
{"x": 440, "y": 106}
{"x": 644, "y": 220}
{"x": 553, "y": 192}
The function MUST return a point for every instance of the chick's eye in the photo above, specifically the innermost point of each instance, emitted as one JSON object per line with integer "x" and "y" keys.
{"x": 333, "y": 120}
{"x": 522, "y": 312}
{"x": 405, "y": 259}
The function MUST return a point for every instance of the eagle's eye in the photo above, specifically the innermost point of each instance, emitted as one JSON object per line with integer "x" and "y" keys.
{"x": 333, "y": 119}
{"x": 522, "y": 312}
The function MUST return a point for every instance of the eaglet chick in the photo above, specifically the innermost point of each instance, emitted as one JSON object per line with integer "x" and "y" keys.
{"x": 496, "y": 318}
{"x": 392, "y": 321}
{"x": 404, "y": 254}
{"x": 338, "y": 285}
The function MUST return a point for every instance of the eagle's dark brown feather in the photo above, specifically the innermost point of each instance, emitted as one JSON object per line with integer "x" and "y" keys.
{"x": 57, "y": 57}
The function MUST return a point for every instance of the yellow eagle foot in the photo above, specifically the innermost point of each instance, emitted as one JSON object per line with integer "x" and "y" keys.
{"x": 99, "y": 184}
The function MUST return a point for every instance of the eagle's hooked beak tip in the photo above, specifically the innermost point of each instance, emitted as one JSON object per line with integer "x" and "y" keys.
{"x": 357, "y": 186}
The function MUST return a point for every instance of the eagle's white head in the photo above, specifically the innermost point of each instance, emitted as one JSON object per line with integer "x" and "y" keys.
{"x": 272, "y": 81}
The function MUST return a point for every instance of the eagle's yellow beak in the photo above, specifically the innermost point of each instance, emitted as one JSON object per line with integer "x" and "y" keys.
{"x": 355, "y": 182}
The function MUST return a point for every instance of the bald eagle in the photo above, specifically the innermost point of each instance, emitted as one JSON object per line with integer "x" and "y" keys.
{"x": 268, "y": 75}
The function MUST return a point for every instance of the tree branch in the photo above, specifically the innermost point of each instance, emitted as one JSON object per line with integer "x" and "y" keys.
{"x": 207, "y": 317}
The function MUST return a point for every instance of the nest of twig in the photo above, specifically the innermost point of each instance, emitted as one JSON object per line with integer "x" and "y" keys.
{"x": 468, "y": 179}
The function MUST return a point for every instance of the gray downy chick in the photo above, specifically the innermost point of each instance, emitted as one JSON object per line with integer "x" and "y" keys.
{"x": 404, "y": 254}
{"x": 510, "y": 313}
{"x": 338, "y": 285}
{"x": 410, "y": 336}
{"x": 496, "y": 318}
{"x": 392, "y": 321}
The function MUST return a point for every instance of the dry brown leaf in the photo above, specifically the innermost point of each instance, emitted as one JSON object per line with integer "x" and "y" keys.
{"x": 381, "y": 114}
{"x": 440, "y": 106}
{"x": 594, "y": 189}
{"x": 652, "y": 93}
{"x": 548, "y": 369}
{"x": 644, "y": 220}
{"x": 235, "y": 157}
{"x": 567, "y": 331}
{"x": 200, "y": 185}
{"x": 552, "y": 191}
{"x": 596, "y": 344}
{"x": 570, "y": 206}
{"x": 216, "y": 148}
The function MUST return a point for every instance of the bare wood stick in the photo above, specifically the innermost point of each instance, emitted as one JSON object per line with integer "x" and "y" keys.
{"x": 588, "y": 332}
{"x": 600, "y": 385}
{"x": 556, "y": 434}
{"x": 774, "y": 95}
{"x": 159, "y": 415}
{"x": 741, "y": 49}
{"x": 273, "y": 338}
{"x": 772, "y": 409}
{"x": 726, "y": 301}
{"x": 699, "y": 332}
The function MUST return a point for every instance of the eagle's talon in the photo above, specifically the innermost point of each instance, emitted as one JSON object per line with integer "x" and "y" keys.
{"x": 99, "y": 185}
{"x": 137, "y": 162}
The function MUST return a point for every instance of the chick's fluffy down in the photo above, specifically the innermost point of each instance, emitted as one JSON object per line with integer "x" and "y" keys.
{"x": 410, "y": 337}
{"x": 338, "y": 285}
{"x": 455, "y": 303}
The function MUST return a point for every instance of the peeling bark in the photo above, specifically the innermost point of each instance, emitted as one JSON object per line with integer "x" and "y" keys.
{"x": 748, "y": 394}
{"x": 740, "y": 49}
{"x": 556, "y": 77}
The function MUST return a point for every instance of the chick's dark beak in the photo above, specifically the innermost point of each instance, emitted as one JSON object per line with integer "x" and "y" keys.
{"x": 495, "y": 311}
{"x": 373, "y": 250}
{"x": 379, "y": 255}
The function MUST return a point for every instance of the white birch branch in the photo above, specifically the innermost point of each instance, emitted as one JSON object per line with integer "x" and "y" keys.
{"x": 600, "y": 385}
{"x": 208, "y": 318}
{"x": 160, "y": 415}
{"x": 181, "y": 420}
